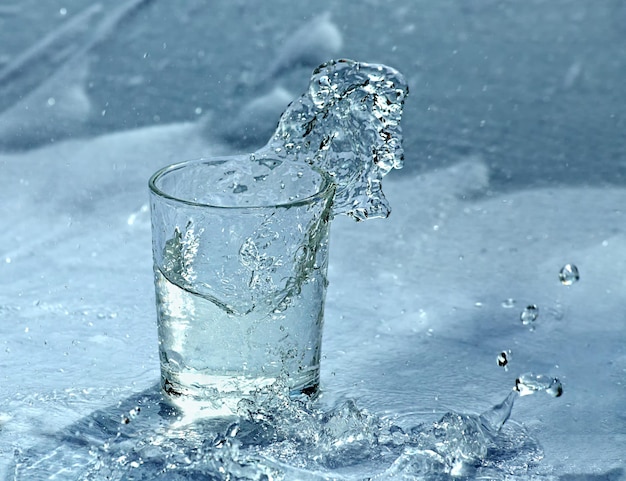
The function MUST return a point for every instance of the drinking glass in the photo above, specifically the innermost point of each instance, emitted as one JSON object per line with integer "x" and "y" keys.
{"x": 240, "y": 249}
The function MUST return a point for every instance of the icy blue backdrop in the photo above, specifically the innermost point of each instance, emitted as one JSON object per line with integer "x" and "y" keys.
{"x": 515, "y": 156}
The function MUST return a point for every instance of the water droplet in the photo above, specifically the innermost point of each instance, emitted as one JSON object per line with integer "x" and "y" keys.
{"x": 530, "y": 383}
{"x": 508, "y": 303}
{"x": 529, "y": 315}
{"x": 503, "y": 359}
{"x": 569, "y": 274}
{"x": 555, "y": 389}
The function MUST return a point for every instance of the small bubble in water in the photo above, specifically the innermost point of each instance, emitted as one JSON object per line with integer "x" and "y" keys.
{"x": 503, "y": 359}
{"x": 529, "y": 315}
{"x": 569, "y": 274}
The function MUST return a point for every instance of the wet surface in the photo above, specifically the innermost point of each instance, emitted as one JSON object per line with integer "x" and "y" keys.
{"x": 513, "y": 133}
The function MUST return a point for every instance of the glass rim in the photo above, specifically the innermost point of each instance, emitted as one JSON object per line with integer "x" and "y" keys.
{"x": 321, "y": 191}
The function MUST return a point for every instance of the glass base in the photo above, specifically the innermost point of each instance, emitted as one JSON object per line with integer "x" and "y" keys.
{"x": 202, "y": 395}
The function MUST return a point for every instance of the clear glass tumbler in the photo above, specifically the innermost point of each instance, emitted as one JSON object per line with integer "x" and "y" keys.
{"x": 240, "y": 250}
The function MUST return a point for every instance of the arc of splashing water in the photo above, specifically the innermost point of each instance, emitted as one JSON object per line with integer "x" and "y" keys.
{"x": 348, "y": 124}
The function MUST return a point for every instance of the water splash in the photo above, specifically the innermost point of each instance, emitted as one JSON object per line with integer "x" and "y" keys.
{"x": 347, "y": 124}
{"x": 275, "y": 437}
{"x": 462, "y": 445}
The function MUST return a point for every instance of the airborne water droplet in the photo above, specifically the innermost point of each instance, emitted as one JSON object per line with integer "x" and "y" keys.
{"x": 530, "y": 383}
{"x": 555, "y": 389}
{"x": 529, "y": 315}
{"x": 569, "y": 274}
{"x": 503, "y": 359}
